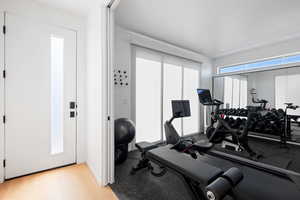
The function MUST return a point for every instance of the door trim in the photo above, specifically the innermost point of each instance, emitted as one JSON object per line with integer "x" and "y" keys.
{"x": 108, "y": 143}
{"x": 2, "y": 103}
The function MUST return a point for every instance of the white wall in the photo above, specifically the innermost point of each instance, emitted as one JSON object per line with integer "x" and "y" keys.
{"x": 94, "y": 94}
{"x": 57, "y": 17}
{"x": 277, "y": 49}
{"x": 122, "y": 95}
{"x": 123, "y": 58}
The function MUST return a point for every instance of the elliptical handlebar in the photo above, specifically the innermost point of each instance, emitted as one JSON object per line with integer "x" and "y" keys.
{"x": 291, "y": 106}
{"x": 263, "y": 102}
{"x": 217, "y": 102}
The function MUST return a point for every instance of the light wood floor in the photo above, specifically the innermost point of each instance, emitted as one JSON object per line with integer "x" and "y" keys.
{"x": 69, "y": 183}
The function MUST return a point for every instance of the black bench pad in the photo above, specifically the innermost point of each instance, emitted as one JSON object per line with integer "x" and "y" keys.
{"x": 196, "y": 170}
{"x": 145, "y": 146}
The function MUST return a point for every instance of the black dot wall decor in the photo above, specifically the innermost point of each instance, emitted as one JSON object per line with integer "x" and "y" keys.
{"x": 121, "y": 78}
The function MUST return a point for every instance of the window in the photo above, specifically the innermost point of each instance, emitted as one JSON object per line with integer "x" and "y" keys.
{"x": 243, "y": 93}
{"x": 57, "y": 91}
{"x": 235, "y": 92}
{"x": 160, "y": 79}
{"x": 228, "y": 92}
{"x": 148, "y": 100}
{"x": 191, "y": 79}
{"x": 261, "y": 64}
{"x": 285, "y": 87}
{"x": 172, "y": 90}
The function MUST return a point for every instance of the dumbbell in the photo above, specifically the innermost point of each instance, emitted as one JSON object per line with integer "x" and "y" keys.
{"x": 237, "y": 123}
{"x": 231, "y": 111}
{"x": 227, "y": 119}
{"x": 237, "y": 112}
{"x": 234, "y": 111}
{"x": 260, "y": 126}
{"x": 244, "y": 121}
{"x": 231, "y": 121}
{"x": 281, "y": 113}
{"x": 242, "y": 112}
{"x": 221, "y": 111}
{"x": 228, "y": 111}
{"x": 273, "y": 110}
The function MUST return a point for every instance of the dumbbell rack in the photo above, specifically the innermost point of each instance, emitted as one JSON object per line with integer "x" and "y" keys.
{"x": 231, "y": 113}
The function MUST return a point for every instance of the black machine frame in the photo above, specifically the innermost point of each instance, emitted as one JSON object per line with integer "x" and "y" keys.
{"x": 218, "y": 124}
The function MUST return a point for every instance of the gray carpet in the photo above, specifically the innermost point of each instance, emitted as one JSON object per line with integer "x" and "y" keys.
{"x": 144, "y": 186}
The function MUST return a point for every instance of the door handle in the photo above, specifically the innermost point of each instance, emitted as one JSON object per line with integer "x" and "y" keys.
{"x": 72, "y": 114}
{"x": 72, "y": 105}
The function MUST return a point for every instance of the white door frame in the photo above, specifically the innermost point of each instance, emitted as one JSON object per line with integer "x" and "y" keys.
{"x": 108, "y": 94}
{"x": 2, "y": 103}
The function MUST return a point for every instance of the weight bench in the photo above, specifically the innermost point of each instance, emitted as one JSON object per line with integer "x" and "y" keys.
{"x": 202, "y": 180}
{"x": 144, "y": 163}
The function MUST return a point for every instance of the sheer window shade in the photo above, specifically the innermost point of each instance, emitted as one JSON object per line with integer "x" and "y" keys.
{"x": 168, "y": 78}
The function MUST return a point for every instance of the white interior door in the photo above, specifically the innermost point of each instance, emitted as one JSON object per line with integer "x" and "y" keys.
{"x": 40, "y": 84}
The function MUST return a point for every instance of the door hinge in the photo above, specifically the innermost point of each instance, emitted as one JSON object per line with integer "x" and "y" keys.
{"x": 4, "y": 29}
{"x": 4, "y": 163}
{"x": 4, "y": 119}
{"x": 4, "y": 74}
{"x": 108, "y": 118}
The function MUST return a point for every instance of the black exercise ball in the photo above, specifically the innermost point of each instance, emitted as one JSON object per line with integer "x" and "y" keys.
{"x": 124, "y": 131}
{"x": 124, "y": 134}
{"x": 121, "y": 153}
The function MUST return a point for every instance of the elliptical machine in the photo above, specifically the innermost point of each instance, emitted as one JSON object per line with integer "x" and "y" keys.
{"x": 219, "y": 130}
{"x": 263, "y": 103}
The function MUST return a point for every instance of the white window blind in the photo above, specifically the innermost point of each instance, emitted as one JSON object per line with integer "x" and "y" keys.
{"x": 286, "y": 91}
{"x": 235, "y": 92}
{"x": 148, "y": 103}
{"x": 159, "y": 79}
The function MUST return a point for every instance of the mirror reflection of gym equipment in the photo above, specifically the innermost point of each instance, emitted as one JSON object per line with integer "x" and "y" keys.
{"x": 277, "y": 91}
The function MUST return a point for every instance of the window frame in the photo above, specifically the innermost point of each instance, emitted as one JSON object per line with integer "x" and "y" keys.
{"x": 262, "y": 68}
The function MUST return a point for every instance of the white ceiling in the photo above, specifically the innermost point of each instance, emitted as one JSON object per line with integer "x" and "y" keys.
{"x": 212, "y": 27}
